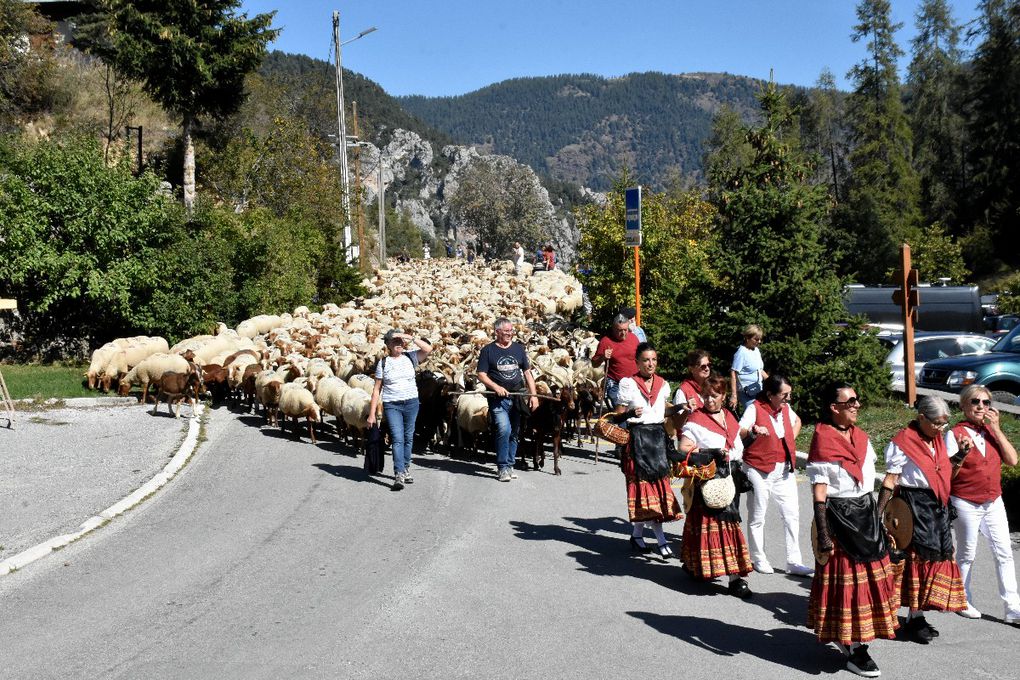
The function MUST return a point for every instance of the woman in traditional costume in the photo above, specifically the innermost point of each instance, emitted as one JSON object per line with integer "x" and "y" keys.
{"x": 854, "y": 593}
{"x": 916, "y": 461}
{"x": 977, "y": 448}
{"x": 642, "y": 403}
{"x": 770, "y": 463}
{"x": 713, "y": 542}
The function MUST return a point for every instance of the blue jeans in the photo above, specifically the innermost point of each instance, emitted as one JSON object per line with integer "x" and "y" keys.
{"x": 506, "y": 420}
{"x": 612, "y": 390}
{"x": 400, "y": 417}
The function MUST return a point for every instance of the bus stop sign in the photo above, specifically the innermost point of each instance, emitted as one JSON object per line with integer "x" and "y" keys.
{"x": 632, "y": 203}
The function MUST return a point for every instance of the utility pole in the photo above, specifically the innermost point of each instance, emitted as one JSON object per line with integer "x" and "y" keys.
{"x": 382, "y": 216}
{"x": 345, "y": 185}
{"x": 362, "y": 250}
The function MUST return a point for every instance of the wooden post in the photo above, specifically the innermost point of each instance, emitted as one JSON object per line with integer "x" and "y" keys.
{"x": 908, "y": 298}
{"x": 637, "y": 285}
{"x": 5, "y": 396}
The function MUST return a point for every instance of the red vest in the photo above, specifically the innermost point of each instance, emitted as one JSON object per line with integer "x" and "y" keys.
{"x": 935, "y": 466}
{"x": 768, "y": 449}
{"x": 692, "y": 391}
{"x": 730, "y": 432}
{"x": 980, "y": 477}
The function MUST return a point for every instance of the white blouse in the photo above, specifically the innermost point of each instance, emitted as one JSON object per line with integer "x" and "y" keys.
{"x": 631, "y": 397}
{"x": 898, "y": 463}
{"x": 705, "y": 438}
{"x": 750, "y": 417}
{"x": 840, "y": 482}
{"x": 952, "y": 447}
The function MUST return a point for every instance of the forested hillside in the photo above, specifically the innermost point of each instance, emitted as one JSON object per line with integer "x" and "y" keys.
{"x": 586, "y": 128}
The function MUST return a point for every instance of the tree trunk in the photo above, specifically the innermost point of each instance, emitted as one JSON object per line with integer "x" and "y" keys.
{"x": 189, "y": 165}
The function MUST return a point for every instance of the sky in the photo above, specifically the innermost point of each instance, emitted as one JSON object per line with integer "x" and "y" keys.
{"x": 451, "y": 47}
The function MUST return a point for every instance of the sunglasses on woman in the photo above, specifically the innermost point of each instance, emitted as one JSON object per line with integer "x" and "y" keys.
{"x": 982, "y": 402}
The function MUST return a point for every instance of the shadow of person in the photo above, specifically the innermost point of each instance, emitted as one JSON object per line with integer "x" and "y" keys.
{"x": 456, "y": 466}
{"x": 793, "y": 648}
{"x": 355, "y": 474}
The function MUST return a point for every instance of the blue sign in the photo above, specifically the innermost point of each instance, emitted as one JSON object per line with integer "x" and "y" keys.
{"x": 632, "y": 202}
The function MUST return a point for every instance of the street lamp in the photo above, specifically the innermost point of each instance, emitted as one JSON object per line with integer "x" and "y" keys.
{"x": 382, "y": 205}
{"x": 342, "y": 128}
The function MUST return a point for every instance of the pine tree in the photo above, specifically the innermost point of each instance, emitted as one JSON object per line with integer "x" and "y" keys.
{"x": 935, "y": 108}
{"x": 825, "y": 134}
{"x": 994, "y": 127}
{"x": 882, "y": 202}
{"x": 778, "y": 273}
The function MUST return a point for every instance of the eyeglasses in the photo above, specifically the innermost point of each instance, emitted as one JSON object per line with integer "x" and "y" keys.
{"x": 983, "y": 402}
{"x": 700, "y": 366}
{"x": 852, "y": 401}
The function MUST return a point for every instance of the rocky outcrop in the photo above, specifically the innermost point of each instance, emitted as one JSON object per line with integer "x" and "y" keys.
{"x": 419, "y": 182}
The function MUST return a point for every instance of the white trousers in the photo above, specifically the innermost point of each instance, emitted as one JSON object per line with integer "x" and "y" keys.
{"x": 780, "y": 486}
{"x": 988, "y": 519}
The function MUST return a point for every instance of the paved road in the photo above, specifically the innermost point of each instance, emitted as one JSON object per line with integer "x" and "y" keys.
{"x": 268, "y": 558}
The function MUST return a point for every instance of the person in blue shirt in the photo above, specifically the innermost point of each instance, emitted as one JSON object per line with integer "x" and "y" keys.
{"x": 631, "y": 315}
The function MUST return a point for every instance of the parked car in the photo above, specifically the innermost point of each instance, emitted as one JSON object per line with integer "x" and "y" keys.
{"x": 1001, "y": 324}
{"x": 929, "y": 346}
{"x": 998, "y": 370}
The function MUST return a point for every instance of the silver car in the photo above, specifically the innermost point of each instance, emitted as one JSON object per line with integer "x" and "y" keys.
{"x": 930, "y": 346}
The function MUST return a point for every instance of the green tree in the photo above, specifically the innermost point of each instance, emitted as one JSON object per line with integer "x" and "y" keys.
{"x": 27, "y": 75}
{"x": 191, "y": 55}
{"x": 501, "y": 201}
{"x": 936, "y": 254}
{"x": 883, "y": 196}
{"x": 994, "y": 126}
{"x": 777, "y": 273}
{"x": 678, "y": 274}
{"x": 826, "y": 134}
{"x": 934, "y": 105}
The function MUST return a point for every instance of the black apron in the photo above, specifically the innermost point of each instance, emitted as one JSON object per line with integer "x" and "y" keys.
{"x": 854, "y": 524}
{"x": 933, "y": 538}
{"x": 652, "y": 450}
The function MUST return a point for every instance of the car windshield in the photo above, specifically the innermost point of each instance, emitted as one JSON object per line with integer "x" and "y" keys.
{"x": 1009, "y": 343}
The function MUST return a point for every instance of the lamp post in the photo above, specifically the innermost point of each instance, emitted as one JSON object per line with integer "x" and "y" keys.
{"x": 380, "y": 195}
{"x": 342, "y": 130}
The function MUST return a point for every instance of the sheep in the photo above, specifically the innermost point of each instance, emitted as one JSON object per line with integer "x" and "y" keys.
{"x": 362, "y": 382}
{"x": 268, "y": 385}
{"x": 100, "y": 358}
{"x": 178, "y": 387}
{"x": 328, "y": 394}
{"x": 149, "y": 370}
{"x": 354, "y": 404}
{"x": 297, "y": 401}
{"x": 471, "y": 413}
{"x": 129, "y": 356}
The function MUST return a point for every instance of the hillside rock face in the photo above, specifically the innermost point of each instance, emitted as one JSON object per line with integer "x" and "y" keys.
{"x": 423, "y": 181}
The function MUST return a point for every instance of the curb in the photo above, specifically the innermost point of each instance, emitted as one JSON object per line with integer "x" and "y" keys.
{"x": 81, "y": 402}
{"x": 178, "y": 461}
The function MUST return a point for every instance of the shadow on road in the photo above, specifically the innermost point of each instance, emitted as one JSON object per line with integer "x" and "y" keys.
{"x": 795, "y": 649}
{"x": 462, "y": 467}
{"x": 355, "y": 474}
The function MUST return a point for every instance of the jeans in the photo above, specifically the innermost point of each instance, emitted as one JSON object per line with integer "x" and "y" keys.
{"x": 612, "y": 390}
{"x": 506, "y": 420}
{"x": 400, "y": 417}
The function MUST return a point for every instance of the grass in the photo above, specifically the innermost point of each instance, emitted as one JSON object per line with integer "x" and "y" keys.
{"x": 33, "y": 381}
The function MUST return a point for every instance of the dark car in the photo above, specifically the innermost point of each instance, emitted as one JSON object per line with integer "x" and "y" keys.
{"x": 998, "y": 370}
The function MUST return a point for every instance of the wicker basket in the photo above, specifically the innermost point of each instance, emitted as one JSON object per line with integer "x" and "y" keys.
{"x": 610, "y": 431}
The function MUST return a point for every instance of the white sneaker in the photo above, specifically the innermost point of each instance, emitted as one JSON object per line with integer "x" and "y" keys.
{"x": 799, "y": 569}
{"x": 970, "y": 612}
{"x": 513, "y": 475}
{"x": 764, "y": 568}
{"x": 1012, "y": 616}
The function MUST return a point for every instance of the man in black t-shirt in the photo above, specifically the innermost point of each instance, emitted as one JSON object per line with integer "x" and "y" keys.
{"x": 503, "y": 368}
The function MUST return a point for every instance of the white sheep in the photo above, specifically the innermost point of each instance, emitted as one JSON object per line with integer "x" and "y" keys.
{"x": 296, "y": 401}
{"x": 150, "y": 370}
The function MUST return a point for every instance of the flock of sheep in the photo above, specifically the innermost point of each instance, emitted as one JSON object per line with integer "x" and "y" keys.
{"x": 309, "y": 365}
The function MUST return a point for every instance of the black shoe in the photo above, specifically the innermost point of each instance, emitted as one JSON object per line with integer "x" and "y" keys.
{"x": 917, "y": 631}
{"x": 665, "y": 551}
{"x": 931, "y": 629}
{"x": 638, "y": 545}
{"x": 861, "y": 663}
{"x": 740, "y": 589}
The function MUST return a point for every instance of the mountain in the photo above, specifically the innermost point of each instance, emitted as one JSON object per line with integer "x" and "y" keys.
{"x": 586, "y": 128}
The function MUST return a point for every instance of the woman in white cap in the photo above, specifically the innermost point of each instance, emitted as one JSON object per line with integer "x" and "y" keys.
{"x": 395, "y": 385}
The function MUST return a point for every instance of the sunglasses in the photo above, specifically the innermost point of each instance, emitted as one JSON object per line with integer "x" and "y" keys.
{"x": 704, "y": 366}
{"x": 982, "y": 402}
{"x": 852, "y": 401}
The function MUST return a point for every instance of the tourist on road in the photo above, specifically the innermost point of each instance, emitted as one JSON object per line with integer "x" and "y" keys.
{"x": 854, "y": 593}
{"x": 503, "y": 368}
{"x": 713, "y": 542}
{"x": 617, "y": 350}
{"x": 395, "y": 385}
{"x": 770, "y": 463}
{"x": 978, "y": 448}
{"x": 645, "y": 460}
{"x": 916, "y": 461}
{"x": 747, "y": 370}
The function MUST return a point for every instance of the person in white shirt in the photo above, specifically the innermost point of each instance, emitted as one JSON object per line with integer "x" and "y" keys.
{"x": 770, "y": 463}
{"x": 748, "y": 369}
{"x": 518, "y": 258}
{"x": 395, "y": 385}
{"x": 854, "y": 592}
{"x": 978, "y": 448}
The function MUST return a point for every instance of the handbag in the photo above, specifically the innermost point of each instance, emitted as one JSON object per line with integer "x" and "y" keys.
{"x": 375, "y": 460}
{"x": 751, "y": 391}
{"x": 610, "y": 431}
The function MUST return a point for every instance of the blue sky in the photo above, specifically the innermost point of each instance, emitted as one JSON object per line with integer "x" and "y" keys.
{"x": 449, "y": 47}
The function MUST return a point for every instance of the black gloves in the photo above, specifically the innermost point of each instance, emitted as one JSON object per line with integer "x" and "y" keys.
{"x": 822, "y": 528}
{"x": 884, "y": 496}
{"x": 957, "y": 458}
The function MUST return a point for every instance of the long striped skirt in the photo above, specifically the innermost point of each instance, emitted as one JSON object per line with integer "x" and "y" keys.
{"x": 932, "y": 585}
{"x": 713, "y": 547}
{"x": 853, "y": 601}
{"x": 649, "y": 501}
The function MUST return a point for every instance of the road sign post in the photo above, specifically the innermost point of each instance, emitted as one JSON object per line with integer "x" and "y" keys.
{"x": 5, "y": 396}
{"x": 632, "y": 239}
{"x": 908, "y": 298}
